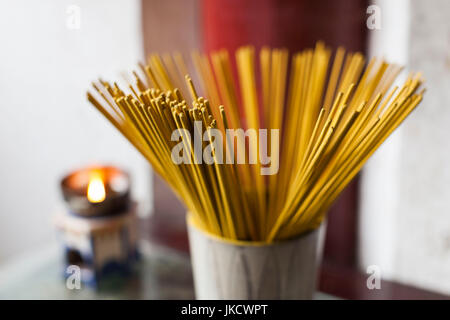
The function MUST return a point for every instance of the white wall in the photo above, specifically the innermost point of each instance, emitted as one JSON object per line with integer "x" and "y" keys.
{"x": 405, "y": 220}
{"x": 379, "y": 187}
{"x": 46, "y": 125}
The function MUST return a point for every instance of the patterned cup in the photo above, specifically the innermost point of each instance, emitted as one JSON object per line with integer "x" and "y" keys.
{"x": 226, "y": 269}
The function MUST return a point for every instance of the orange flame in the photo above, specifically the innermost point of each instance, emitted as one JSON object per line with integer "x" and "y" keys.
{"x": 96, "y": 189}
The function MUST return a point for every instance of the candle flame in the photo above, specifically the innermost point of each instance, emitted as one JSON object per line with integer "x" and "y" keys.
{"x": 96, "y": 190}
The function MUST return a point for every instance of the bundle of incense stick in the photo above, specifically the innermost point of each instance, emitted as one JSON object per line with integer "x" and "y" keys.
{"x": 325, "y": 114}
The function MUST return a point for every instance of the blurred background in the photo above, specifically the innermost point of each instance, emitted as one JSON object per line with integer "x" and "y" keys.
{"x": 394, "y": 215}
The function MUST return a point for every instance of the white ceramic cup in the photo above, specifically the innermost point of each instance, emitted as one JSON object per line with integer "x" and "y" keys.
{"x": 246, "y": 270}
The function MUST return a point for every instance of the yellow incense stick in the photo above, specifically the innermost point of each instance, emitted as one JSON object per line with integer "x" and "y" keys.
{"x": 331, "y": 113}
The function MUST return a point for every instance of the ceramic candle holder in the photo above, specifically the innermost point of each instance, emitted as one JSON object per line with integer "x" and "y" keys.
{"x": 99, "y": 237}
{"x": 226, "y": 269}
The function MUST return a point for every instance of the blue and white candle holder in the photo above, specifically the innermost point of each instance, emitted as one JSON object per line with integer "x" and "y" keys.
{"x": 98, "y": 229}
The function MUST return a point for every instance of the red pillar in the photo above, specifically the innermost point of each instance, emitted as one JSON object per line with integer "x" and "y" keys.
{"x": 296, "y": 24}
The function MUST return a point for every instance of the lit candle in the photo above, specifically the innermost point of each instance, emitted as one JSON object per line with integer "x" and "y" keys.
{"x": 97, "y": 191}
{"x": 99, "y": 230}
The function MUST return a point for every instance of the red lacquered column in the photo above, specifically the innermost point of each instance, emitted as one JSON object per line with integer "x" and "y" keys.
{"x": 296, "y": 24}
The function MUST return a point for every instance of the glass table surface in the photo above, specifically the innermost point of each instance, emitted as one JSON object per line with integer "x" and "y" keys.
{"x": 161, "y": 273}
